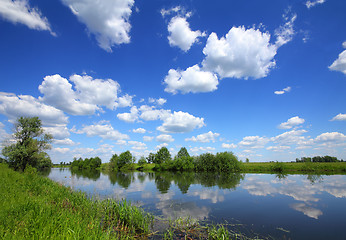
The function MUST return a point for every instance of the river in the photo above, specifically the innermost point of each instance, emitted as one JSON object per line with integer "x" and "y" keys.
{"x": 265, "y": 205}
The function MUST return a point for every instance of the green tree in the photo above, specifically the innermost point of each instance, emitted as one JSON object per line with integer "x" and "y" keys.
{"x": 183, "y": 153}
{"x": 151, "y": 158}
{"x": 142, "y": 161}
{"x": 113, "y": 162}
{"x": 29, "y": 146}
{"x": 162, "y": 156}
{"x": 124, "y": 158}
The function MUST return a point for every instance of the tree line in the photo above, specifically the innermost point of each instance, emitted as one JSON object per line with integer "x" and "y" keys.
{"x": 319, "y": 159}
{"x": 87, "y": 163}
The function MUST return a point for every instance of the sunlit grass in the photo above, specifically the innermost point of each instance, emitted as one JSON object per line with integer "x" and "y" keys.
{"x": 34, "y": 207}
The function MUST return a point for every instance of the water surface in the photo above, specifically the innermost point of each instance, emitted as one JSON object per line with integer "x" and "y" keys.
{"x": 273, "y": 206}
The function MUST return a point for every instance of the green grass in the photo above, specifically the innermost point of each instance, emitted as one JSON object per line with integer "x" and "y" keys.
{"x": 34, "y": 207}
{"x": 293, "y": 167}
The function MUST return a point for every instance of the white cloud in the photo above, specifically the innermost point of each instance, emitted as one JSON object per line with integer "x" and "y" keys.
{"x": 242, "y": 53}
{"x": 132, "y": 116}
{"x": 180, "y": 122}
{"x": 307, "y": 210}
{"x": 285, "y": 90}
{"x": 14, "y": 106}
{"x": 61, "y": 150}
{"x": 65, "y": 141}
{"x": 181, "y": 35}
{"x": 253, "y": 142}
{"x": 165, "y": 138}
{"x": 19, "y": 11}
{"x": 291, "y": 137}
{"x": 58, "y": 131}
{"x": 284, "y": 33}
{"x": 292, "y": 122}
{"x": 148, "y": 138}
{"x": 340, "y": 63}
{"x": 108, "y": 21}
{"x": 161, "y": 145}
{"x": 205, "y": 137}
{"x": 228, "y": 146}
{"x": 149, "y": 113}
{"x": 310, "y": 4}
{"x": 138, "y": 145}
{"x": 339, "y": 117}
{"x": 90, "y": 94}
{"x": 330, "y": 137}
{"x": 278, "y": 148}
{"x": 193, "y": 79}
{"x": 202, "y": 149}
{"x": 139, "y": 130}
{"x": 177, "y": 9}
{"x": 105, "y": 131}
{"x": 159, "y": 101}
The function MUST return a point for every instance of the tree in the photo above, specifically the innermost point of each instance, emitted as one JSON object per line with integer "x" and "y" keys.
{"x": 162, "y": 156}
{"x": 183, "y": 153}
{"x": 124, "y": 158}
{"x": 29, "y": 146}
{"x": 151, "y": 158}
{"x": 142, "y": 161}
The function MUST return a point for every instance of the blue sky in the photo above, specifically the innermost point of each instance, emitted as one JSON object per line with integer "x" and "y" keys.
{"x": 264, "y": 79}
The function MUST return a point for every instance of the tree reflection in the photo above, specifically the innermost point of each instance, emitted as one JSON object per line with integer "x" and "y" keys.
{"x": 313, "y": 178}
{"x": 92, "y": 174}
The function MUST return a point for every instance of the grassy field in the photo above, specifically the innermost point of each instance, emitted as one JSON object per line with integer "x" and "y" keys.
{"x": 293, "y": 167}
{"x": 34, "y": 207}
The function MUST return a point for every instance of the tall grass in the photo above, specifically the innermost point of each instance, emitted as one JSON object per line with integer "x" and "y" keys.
{"x": 34, "y": 207}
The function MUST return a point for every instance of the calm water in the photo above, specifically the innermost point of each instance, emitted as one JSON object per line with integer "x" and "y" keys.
{"x": 273, "y": 206}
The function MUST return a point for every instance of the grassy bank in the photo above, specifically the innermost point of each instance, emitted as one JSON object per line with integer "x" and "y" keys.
{"x": 294, "y": 167}
{"x": 34, "y": 207}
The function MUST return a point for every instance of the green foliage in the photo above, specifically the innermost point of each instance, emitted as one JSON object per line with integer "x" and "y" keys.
{"x": 278, "y": 167}
{"x": 183, "y": 153}
{"x": 88, "y": 163}
{"x": 221, "y": 162}
{"x": 318, "y": 159}
{"x": 29, "y": 146}
{"x": 151, "y": 158}
{"x": 162, "y": 156}
{"x": 35, "y": 207}
{"x": 125, "y": 158}
{"x": 142, "y": 161}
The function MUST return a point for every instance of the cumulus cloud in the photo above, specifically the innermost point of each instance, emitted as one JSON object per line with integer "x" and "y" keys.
{"x": 165, "y": 138}
{"x": 339, "y": 117}
{"x": 105, "y": 131}
{"x": 59, "y": 131}
{"x": 150, "y": 113}
{"x": 107, "y": 20}
{"x": 340, "y": 63}
{"x": 202, "y": 149}
{"x": 180, "y": 122}
{"x": 330, "y": 137}
{"x": 19, "y": 11}
{"x": 61, "y": 150}
{"x": 14, "y": 106}
{"x": 159, "y": 101}
{"x": 205, "y": 137}
{"x": 148, "y": 138}
{"x": 132, "y": 116}
{"x": 292, "y": 122}
{"x": 228, "y": 145}
{"x": 291, "y": 137}
{"x": 137, "y": 145}
{"x": 193, "y": 79}
{"x": 139, "y": 130}
{"x": 278, "y": 148}
{"x": 310, "y": 4}
{"x": 65, "y": 141}
{"x": 181, "y": 35}
{"x": 285, "y": 90}
{"x": 253, "y": 142}
{"x": 89, "y": 95}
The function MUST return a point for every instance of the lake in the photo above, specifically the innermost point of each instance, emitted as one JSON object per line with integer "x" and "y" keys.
{"x": 265, "y": 205}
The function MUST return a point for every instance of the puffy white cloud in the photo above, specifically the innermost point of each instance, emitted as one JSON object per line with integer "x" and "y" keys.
{"x": 205, "y": 137}
{"x": 228, "y": 145}
{"x": 159, "y": 101}
{"x": 165, "y": 138}
{"x": 330, "y": 137}
{"x": 65, "y": 141}
{"x": 149, "y": 113}
{"x": 161, "y": 145}
{"x": 105, "y": 131}
{"x": 148, "y": 138}
{"x": 180, "y": 122}
{"x": 340, "y": 63}
{"x": 253, "y": 142}
{"x": 294, "y": 121}
{"x": 310, "y": 4}
{"x": 202, "y": 149}
{"x": 107, "y": 20}
{"x": 181, "y": 35}
{"x": 139, "y": 130}
{"x": 242, "y": 53}
{"x": 90, "y": 94}
{"x": 290, "y": 137}
{"x": 193, "y": 79}
{"x": 285, "y": 90}
{"x": 14, "y": 106}
{"x": 307, "y": 210}
{"x": 278, "y": 148}
{"x": 137, "y": 145}
{"x": 19, "y": 11}
{"x": 339, "y": 117}
{"x": 132, "y": 116}
{"x": 61, "y": 150}
{"x": 58, "y": 131}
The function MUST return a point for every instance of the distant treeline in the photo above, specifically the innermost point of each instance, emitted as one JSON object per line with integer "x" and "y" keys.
{"x": 88, "y": 163}
{"x": 318, "y": 159}
{"x": 207, "y": 162}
